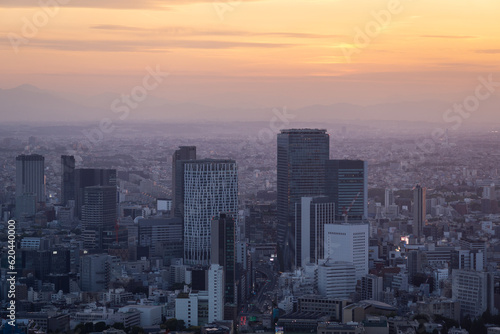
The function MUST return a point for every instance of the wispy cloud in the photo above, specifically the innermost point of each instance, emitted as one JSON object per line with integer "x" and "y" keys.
{"x": 185, "y": 31}
{"x": 109, "y": 4}
{"x": 491, "y": 51}
{"x": 140, "y": 46}
{"x": 448, "y": 36}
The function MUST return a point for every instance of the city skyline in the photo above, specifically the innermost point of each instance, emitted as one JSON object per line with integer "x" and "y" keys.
{"x": 373, "y": 260}
{"x": 249, "y": 166}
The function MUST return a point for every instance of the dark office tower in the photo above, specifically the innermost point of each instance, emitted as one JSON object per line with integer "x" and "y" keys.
{"x": 418, "y": 211}
{"x": 161, "y": 235}
{"x": 67, "y": 178}
{"x": 184, "y": 153}
{"x": 60, "y": 261}
{"x": 30, "y": 177}
{"x": 302, "y": 154}
{"x": 30, "y": 184}
{"x": 98, "y": 215}
{"x": 90, "y": 177}
{"x": 223, "y": 251}
{"x": 347, "y": 185}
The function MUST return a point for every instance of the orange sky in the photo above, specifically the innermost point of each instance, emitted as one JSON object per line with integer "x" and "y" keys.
{"x": 269, "y": 52}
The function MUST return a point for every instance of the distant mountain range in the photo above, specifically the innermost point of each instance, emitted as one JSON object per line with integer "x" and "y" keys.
{"x": 29, "y": 103}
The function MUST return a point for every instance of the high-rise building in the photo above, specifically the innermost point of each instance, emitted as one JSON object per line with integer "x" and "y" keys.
{"x": 30, "y": 180}
{"x": 311, "y": 216}
{"x": 349, "y": 243}
{"x": 336, "y": 279}
{"x": 419, "y": 211}
{"x": 347, "y": 185}
{"x": 186, "y": 308}
{"x": 156, "y": 232}
{"x": 89, "y": 177}
{"x": 25, "y": 205}
{"x": 389, "y": 198}
{"x": 67, "y": 178}
{"x": 95, "y": 272}
{"x": 99, "y": 213}
{"x": 302, "y": 154}
{"x": 371, "y": 287}
{"x": 210, "y": 188}
{"x": 477, "y": 248}
{"x": 489, "y": 192}
{"x": 223, "y": 253}
{"x": 183, "y": 154}
{"x": 215, "y": 293}
{"x": 474, "y": 290}
{"x": 414, "y": 264}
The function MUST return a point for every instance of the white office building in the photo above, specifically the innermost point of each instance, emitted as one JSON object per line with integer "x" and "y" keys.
{"x": 150, "y": 315}
{"x": 215, "y": 293}
{"x": 210, "y": 188}
{"x": 474, "y": 290}
{"x": 349, "y": 243}
{"x": 186, "y": 308}
{"x": 336, "y": 279}
{"x": 312, "y": 214}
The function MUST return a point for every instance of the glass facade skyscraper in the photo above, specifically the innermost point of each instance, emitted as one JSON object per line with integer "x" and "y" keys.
{"x": 89, "y": 177}
{"x": 30, "y": 176}
{"x": 99, "y": 215}
{"x": 419, "y": 211}
{"x": 30, "y": 184}
{"x": 223, "y": 237}
{"x": 302, "y": 154}
{"x": 347, "y": 184}
{"x": 180, "y": 156}
{"x": 68, "y": 178}
{"x": 210, "y": 188}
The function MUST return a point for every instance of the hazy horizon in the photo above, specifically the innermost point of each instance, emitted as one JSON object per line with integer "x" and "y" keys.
{"x": 252, "y": 54}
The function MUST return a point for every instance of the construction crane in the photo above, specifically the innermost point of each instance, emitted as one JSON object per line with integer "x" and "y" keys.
{"x": 345, "y": 214}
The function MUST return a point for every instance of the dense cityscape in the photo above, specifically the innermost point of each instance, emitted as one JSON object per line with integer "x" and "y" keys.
{"x": 342, "y": 227}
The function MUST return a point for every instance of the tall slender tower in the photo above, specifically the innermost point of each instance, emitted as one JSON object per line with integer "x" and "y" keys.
{"x": 30, "y": 184}
{"x": 30, "y": 176}
{"x": 302, "y": 154}
{"x": 67, "y": 178}
{"x": 223, "y": 253}
{"x": 389, "y": 197}
{"x": 419, "y": 211}
{"x": 183, "y": 154}
{"x": 210, "y": 188}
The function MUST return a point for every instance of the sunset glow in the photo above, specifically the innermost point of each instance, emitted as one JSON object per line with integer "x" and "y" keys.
{"x": 260, "y": 47}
